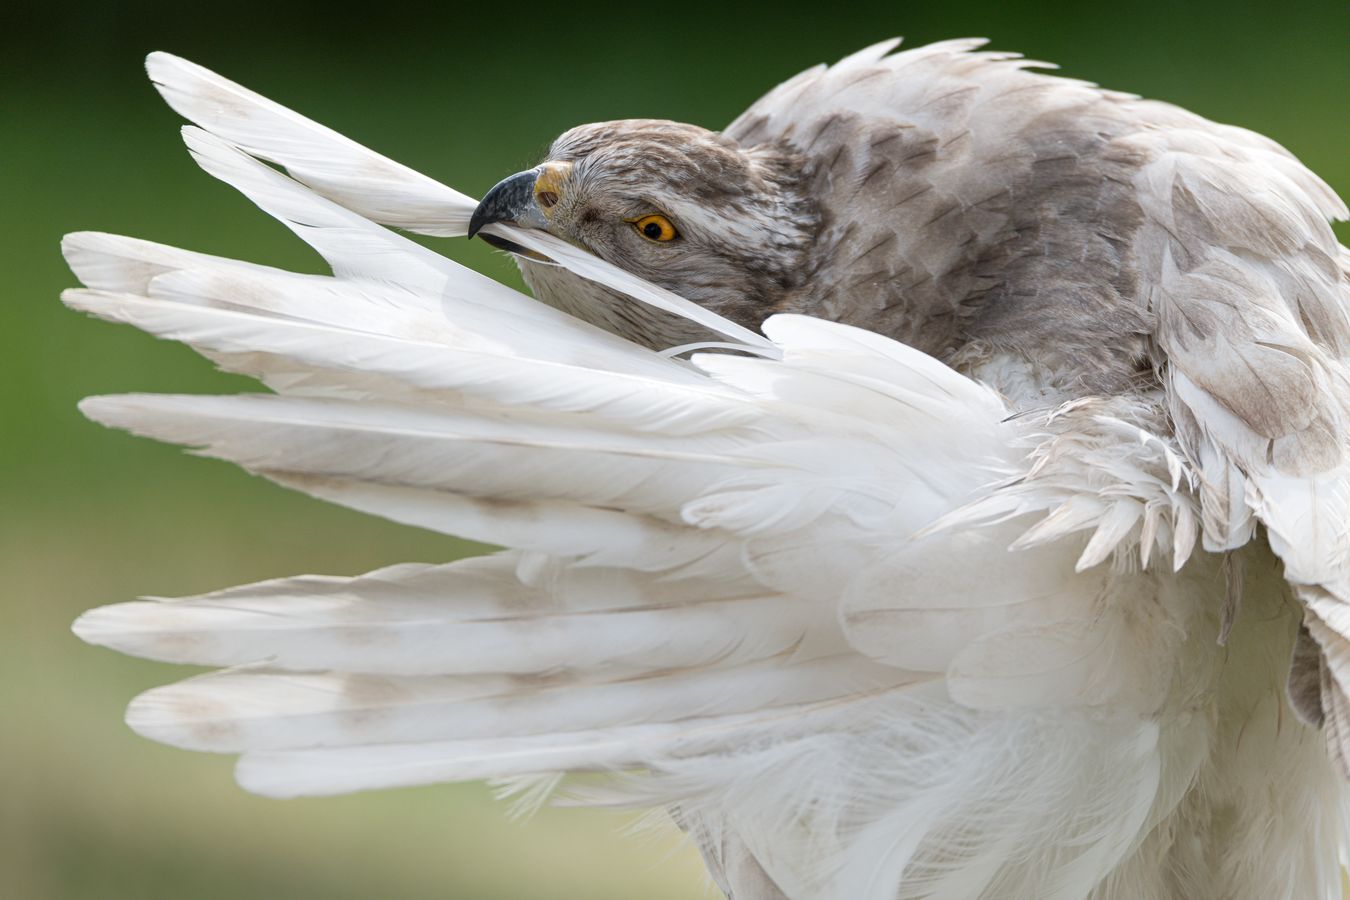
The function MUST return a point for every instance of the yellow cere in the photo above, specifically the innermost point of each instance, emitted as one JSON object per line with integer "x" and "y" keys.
{"x": 548, "y": 184}
{"x": 655, "y": 228}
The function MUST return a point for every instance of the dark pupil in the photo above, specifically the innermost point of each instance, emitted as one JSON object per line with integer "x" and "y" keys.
{"x": 652, "y": 230}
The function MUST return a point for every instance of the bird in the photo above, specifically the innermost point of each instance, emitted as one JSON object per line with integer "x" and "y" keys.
{"x": 935, "y": 485}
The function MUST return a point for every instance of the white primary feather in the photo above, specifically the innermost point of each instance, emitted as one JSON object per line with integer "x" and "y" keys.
{"x": 283, "y": 351}
{"x": 868, "y": 634}
{"x": 333, "y": 166}
{"x": 482, "y": 455}
{"x": 470, "y": 617}
{"x": 364, "y": 182}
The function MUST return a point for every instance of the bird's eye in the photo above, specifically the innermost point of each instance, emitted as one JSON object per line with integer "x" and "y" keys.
{"x": 656, "y": 228}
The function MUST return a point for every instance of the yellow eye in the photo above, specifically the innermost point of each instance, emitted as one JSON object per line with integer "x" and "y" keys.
{"x": 656, "y": 228}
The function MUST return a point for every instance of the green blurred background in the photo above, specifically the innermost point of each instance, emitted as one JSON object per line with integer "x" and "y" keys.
{"x": 87, "y": 809}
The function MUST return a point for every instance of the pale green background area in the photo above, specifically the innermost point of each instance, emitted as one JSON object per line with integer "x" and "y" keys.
{"x": 87, "y": 809}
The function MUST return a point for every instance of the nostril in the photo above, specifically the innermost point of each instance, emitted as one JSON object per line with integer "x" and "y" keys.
{"x": 546, "y": 199}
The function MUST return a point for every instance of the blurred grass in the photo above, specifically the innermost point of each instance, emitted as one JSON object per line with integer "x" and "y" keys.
{"x": 88, "y": 517}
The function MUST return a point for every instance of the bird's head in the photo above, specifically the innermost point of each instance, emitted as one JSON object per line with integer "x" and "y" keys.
{"x": 686, "y": 208}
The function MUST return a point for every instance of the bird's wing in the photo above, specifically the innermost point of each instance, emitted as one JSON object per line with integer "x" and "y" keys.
{"x": 1250, "y": 291}
{"x": 1231, "y": 264}
{"x": 783, "y": 588}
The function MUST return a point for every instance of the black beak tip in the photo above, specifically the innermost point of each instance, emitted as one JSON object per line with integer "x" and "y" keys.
{"x": 505, "y": 202}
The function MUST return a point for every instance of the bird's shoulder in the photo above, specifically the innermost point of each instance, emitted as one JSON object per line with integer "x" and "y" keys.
{"x": 976, "y": 208}
{"x": 953, "y": 186}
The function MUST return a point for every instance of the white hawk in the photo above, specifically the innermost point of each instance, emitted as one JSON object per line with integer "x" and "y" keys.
{"x": 1010, "y": 560}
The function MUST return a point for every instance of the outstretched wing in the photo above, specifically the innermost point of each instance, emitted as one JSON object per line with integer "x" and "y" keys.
{"x": 781, "y": 587}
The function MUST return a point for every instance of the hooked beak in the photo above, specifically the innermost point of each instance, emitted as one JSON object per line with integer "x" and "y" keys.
{"x": 511, "y": 200}
{"x": 520, "y": 200}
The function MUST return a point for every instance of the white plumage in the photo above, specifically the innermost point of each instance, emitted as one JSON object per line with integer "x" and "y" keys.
{"x": 868, "y": 628}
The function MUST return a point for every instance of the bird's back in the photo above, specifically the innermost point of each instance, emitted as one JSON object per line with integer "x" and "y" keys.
{"x": 1010, "y": 222}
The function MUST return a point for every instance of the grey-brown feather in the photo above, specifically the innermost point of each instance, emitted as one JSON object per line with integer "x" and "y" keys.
{"x": 1305, "y": 679}
{"x": 971, "y": 208}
